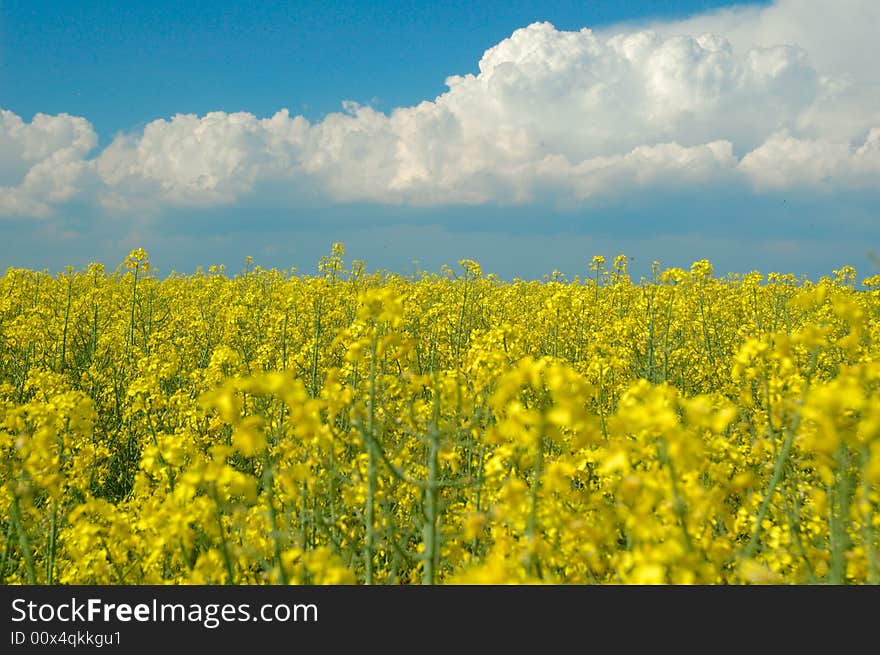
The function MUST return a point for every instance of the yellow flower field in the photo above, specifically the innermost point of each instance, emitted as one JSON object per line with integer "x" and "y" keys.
{"x": 371, "y": 428}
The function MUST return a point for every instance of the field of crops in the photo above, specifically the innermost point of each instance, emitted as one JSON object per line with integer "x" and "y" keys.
{"x": 355, "y": 427}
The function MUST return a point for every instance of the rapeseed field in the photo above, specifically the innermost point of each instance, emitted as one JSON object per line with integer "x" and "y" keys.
{"x": 348, "y": 427}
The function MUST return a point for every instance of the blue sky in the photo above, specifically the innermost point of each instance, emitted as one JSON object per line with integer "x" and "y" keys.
{"x": 745, "y": 133}
{"x": 127, "y": 65}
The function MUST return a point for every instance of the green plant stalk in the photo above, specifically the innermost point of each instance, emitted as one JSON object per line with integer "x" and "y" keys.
{"x": 779, "y": 464}
{"x": 705, "y": 326}
{"x": 284, "y": 340}
{"x": 93, "y": 336}
{"x": 650, "y": 349}
{"x": 532, "y": 522}
{"x": 794, "y": 523}
{"x": 839, "y": 518}
{"x": 666, "y": 341}
{"x": 867, "y": 527}
{"x": 66, "y": 321}
{"x": 227, "y": 559}
{"x": 556, "y": 334}
{"x": 680, "y": 506}
{"x": 778, "y": 475}
{"x": 315, "y": 348}
{"x": 479, "y": 491}
{"x": 23, "y": 540}
{"x": 120, "y": 574}
{"x": 165, "y": 465}
{"x": 758, "y": 321}
{"x": 333, "y": 528}
{"x": 7, "y": 550}
{"x": 370, "y": 538}
{"x": 188, "y": 558}
{"x": 133, "y": 303}
{"x": 429, "y": 529}
{"x": 269, "y": 486}
{"x": 459, "y": 328}
{"x": 601, "y": 408}
{"x": 369, "y": 518}
{"x": 304, "y": 531}
{"x": 53, "y": 534}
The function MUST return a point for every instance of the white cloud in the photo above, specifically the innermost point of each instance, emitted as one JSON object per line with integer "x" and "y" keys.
{"x": 186, "y": 161}
{"x": 42, "y": 163}
{"x": 839, "y": 35}
{"x": 785, "y": 162}
{"x": 784, "y": 96}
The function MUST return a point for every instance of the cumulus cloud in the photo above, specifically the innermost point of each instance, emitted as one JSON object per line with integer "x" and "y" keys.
{"x": 839, "y": 35}
{"x": 189, "y": 160}
{"x": 42, "y": 163}
{"x": 785, "y": 162}
{"x": 832, "y": 142}
{"x": 747, "y": 95}
{"x": 549, "y": 110}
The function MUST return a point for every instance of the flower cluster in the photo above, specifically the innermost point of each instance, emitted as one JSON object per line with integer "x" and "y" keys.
{"x": 348, "y": 427}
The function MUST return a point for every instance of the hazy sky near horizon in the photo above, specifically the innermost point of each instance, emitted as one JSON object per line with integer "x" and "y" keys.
{"x": 527, "y": 136}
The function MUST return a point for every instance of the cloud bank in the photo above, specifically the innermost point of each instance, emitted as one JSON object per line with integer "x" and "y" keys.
{"x": 42, "y": 163}
{"x": 773, "y": 98}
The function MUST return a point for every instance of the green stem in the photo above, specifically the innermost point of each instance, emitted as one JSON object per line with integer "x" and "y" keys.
{"x": 53, "y": 534}
{"x": 867, "y": 527}
{"x": 269, "y": 486}
{"x": 227, "y": 558}
{"x": 532, "y": 523}
{"x": 369, "y": 518}
{"x": 794, "y": 526}
{"x": 66, "y": 321}
{"x": 304, "y": 530}
{"x": 460, "y": 327}
{"x": 680, "y": 506}
{"x": 429, "y": 530}
{"x": 840, "y": 541}
{"x": 7, "y": 551}
{"x": 314, "y": 385}
{"x": 778, "y": 475}
{"x": 133, "y": 303}
{"x": 23, "y": 540}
